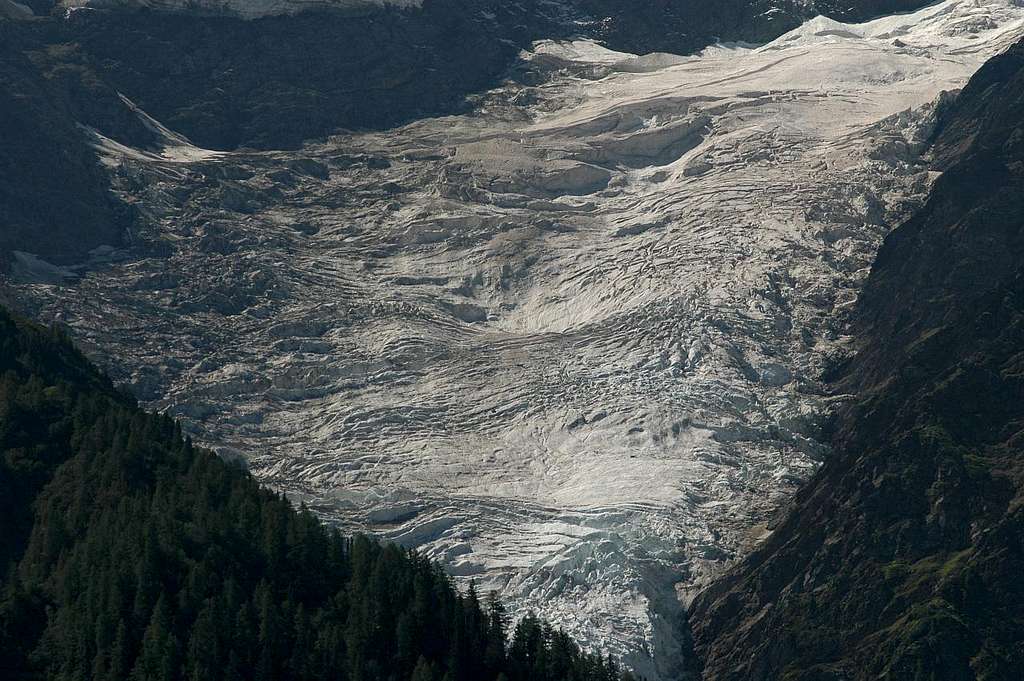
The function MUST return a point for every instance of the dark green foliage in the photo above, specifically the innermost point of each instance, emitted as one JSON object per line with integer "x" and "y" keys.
{"x": 131, "y": 554}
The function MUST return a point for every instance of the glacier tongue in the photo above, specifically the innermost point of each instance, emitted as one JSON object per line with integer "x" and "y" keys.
{"x": 569, "y": 343}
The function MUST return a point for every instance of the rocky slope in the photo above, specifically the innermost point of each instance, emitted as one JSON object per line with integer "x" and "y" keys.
{"x": 225, "y": 82}
{"x": 566, "y": 341}
{"x": 297, "y": 73}
{"x": 660, "y": 19}
{"x": 902, "y": 558}
{"x": 54, "y": 197}
{"x": 681, "y": 26}
{"x": 244, "y": 9}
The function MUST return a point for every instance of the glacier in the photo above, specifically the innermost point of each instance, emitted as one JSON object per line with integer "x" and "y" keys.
{"x": 570, "y": 344}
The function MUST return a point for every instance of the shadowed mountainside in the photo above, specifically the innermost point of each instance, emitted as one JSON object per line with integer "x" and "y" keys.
{"x": 682, "y": 26}
{"x": 902, "y": 557}
{"x": 278, "y": 81}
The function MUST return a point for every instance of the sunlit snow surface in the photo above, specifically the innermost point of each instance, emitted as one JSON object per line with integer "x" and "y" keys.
{"x": 567, "y": 344}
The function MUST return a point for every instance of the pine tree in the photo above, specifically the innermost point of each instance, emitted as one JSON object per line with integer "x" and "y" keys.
{"x": 158, "y": 658}
{"x": 424, "y": 671}
{"x": 129, "y": 553}
{"x": 494, "y": 651}
{"x": 119, "y": 654}
{"x": 203, "y": 653}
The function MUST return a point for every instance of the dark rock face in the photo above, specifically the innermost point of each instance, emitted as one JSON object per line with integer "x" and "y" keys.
{"x": 225, "y": 83}
{"x": 685, "y": 26}
{"x": 862, "y": 10}
{"x": 276, "y": 82}
{"x": 54, "y": 198}
{"x": 903, "y": 557}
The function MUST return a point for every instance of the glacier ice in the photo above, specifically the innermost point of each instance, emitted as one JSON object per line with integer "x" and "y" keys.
{"x": 568, "y": 343}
